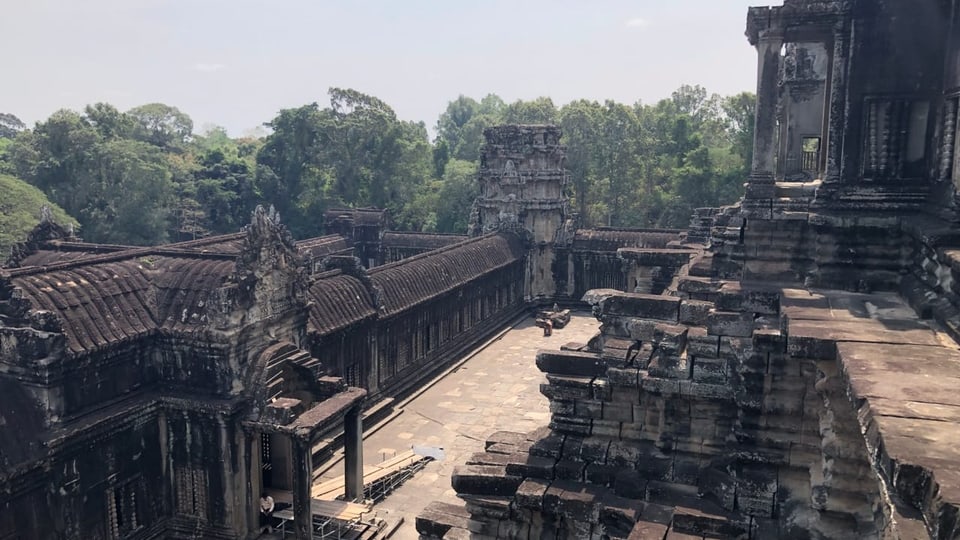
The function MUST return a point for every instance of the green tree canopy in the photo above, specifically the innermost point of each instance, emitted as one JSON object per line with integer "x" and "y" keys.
{"x": 10, "y": 125}
{"x": 161, "y": 125}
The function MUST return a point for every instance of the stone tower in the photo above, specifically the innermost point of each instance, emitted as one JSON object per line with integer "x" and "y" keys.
{"x": 522, "y": 181}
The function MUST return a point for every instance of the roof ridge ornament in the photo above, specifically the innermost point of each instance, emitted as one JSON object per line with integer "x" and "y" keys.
{"x": 268, "y": 266}
{"x": 46, "y": 230}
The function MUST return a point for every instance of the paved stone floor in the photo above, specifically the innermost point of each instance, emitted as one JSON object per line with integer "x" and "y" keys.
{"x": 498, "y": 389}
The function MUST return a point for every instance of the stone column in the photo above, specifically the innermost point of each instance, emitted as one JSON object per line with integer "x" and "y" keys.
{"x": 838, "y": 106}
{"x": 353, "y": 454}
{"x": 761, "y": 181}
{"x": 229, "y": 493}
{"x": 302, "y": 480}
{"x": 250, "y": 460}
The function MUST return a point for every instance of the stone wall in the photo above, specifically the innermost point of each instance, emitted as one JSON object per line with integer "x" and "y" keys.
{"x": 693, "y": 414}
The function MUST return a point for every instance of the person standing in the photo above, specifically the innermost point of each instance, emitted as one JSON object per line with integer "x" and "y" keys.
{"x": 266, "y": 512}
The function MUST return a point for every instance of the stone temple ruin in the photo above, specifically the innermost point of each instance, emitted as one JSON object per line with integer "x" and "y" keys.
{"x": 785, "y": 368}
{"x": 156, "y": 392}
{"x": 797, "y": 376}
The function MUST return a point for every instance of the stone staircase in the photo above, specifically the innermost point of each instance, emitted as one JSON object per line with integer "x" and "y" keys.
{"x": 280, "y": 355}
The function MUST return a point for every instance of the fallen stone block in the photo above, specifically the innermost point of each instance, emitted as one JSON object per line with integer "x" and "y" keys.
{"x": 439, "y": 517}
{"x": 571, "y": 363}
{"x": 647, "y": 306}
{"x": 484, "y": 480}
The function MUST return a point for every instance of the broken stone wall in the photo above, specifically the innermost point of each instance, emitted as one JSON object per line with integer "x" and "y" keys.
{"x": 686, "y": 414}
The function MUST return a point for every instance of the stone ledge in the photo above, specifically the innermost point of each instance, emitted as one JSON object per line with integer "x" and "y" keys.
{"x": 909, "y": 421}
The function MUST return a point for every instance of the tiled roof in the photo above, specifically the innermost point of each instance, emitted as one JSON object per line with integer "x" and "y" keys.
{"x": 613, "y": 239}
{"x": 411, "y": 240}
{"x": 322, "y": 246}
{"x": 411, "y": 281}
{"x": 111, "y": 298}
{"x": 337, "y": 301}
{"x": 97, "y": 304}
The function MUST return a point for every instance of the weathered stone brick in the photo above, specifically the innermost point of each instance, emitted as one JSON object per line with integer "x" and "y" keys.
{"x": 624, "y": 377}
{"x": 630, "y": 484}
{"x": 571, "y": 425}
{"x": 709, "y": 370}
{"x": 663, "y": 308}
{"x": 732, "y": 298}
{"x": 729, "y": 323}
{"x": 618, "y": 412}
{"x": 588, "y": 408}
{"x": 484, "y": 480}
{"x": 603, "y": 475}
{"x": 694, "y": 312}
{"x": 568, "y": 469}
{"x": 641, "y": 329}
{"x": 530, "y": 493}
{"x": 549, "y": 446}
{"x": 570, "y": 363}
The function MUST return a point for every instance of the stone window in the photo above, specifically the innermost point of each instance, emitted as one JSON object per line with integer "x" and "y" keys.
{"x": 266, "y": 459}
{"x": 122, "y": 514}
{"x": 192, "y": 491}
{"x": 895, "y": 138}
{"x": 352, "y": 375}
{"x": 811, "y": 154}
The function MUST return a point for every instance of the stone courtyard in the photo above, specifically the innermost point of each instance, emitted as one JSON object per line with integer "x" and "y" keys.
{"x": 498, "y": 388}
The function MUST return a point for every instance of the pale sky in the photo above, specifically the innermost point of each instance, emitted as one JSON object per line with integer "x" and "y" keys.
{"x": 235, "y": 63}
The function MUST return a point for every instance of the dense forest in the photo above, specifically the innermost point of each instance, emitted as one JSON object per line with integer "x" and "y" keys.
{"x": 144, "y": 177}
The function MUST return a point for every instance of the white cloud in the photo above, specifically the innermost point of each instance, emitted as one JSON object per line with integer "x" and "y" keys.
{"x": 637, "y": 22}
{"x": 208, "y": 68}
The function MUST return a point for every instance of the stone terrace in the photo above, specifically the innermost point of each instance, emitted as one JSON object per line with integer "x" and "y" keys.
{"x": 730, "y": 410}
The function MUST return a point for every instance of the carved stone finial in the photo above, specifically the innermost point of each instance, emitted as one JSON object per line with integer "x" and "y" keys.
{"x": 268, "y": 252}
{"x": 45, "y": 231}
